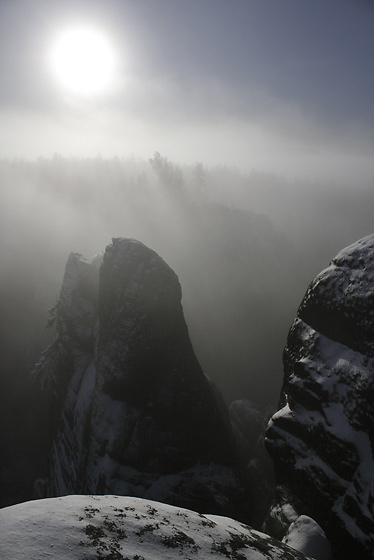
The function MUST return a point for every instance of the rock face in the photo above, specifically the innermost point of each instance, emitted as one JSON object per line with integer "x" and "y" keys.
{"x": 133, "y": 412}
{"x": 322, "y": 440}
{"x": 122, "y": 528}
{"x": 249, "y": 424}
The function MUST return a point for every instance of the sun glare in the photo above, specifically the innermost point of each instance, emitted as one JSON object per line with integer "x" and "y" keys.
{"x": 83, "y": 60}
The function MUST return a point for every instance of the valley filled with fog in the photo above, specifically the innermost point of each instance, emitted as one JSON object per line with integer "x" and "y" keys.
{"x": 245, "y": 248}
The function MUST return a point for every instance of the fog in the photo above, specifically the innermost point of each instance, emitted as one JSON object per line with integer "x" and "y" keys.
{"x": 263, "y": 115}
{"x": 283, "y": 88}
{"x": 244, "y": 246}
{"x": 271, "y": 136}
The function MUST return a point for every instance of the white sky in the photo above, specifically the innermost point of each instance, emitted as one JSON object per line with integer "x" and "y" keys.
{"x": 284, "y": 87}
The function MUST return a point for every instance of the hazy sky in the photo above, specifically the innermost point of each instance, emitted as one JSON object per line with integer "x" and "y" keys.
{"x": 285, "y": 86}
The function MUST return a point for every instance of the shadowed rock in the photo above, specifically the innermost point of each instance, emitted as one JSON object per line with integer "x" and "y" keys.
{"x": 322, "y": 440}
{"x": 135, "y": 414}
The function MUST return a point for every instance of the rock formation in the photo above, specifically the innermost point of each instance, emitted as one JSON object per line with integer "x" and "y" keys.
{"x": 123, "y": 528}
{"x": 133, "y": 412}
{"x": 322, "y": 440}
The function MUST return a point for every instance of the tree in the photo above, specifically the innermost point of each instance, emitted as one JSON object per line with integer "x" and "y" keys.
{"x": 199, "y": 177}
{"x": 169, "y": 175}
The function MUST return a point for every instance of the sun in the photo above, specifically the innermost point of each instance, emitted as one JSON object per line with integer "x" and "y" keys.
{"x": 83, "y": 60}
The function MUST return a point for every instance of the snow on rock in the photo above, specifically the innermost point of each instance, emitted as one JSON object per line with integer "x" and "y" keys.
{"x": 66, "y": 374}
{"x": 131, "y": 409}
{"x": 340, "y": 301}
{"x": 123, "y": 528}
{"x": 306, "y": 536}
{"x": 322, "y": 440}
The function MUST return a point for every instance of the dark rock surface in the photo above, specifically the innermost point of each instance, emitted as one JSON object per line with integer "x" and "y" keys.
{"x": 322, "y": 440}
{"x": 133, "y": 412}
{"x": 249, "y": 423}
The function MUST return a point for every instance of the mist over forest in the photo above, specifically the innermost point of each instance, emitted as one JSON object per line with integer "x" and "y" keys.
{"x": 245, "y": 248}
{"x": 187, "y": 278}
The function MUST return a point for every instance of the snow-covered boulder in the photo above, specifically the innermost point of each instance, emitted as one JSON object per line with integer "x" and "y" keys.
{"x": 322, "y": 440}
{"x": 123, "y": 528}
{"x": 133, "y": 412}
{"x": 306, "y": 536}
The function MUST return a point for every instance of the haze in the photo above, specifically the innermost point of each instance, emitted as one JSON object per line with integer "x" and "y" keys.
{"x": 282, "y": 87}
{"x": 233, "y": 138}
